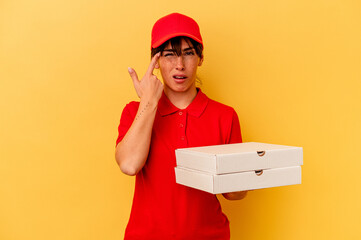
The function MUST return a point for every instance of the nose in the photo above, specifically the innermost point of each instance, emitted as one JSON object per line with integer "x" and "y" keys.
{"x": 180, "y": 63}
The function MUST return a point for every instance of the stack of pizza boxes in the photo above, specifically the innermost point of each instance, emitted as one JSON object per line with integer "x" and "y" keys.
{"x": 238, "y": 167}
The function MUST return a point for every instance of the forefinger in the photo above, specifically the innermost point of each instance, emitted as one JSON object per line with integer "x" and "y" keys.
{"x": 152, "y": 64}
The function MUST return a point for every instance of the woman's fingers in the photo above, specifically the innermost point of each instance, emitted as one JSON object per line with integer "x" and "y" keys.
{"x": 150, "y": 84}
{"x": 152, "y": 64}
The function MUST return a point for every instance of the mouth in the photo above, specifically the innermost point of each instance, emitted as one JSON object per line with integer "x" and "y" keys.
{"x": 179, "y": 78}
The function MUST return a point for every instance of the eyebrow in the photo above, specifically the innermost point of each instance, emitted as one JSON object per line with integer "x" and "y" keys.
{"x": 173, "y": 50}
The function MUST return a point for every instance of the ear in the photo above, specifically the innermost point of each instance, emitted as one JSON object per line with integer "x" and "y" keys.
{"x": 200, "y": 61}
{"x": 156, "y": 65}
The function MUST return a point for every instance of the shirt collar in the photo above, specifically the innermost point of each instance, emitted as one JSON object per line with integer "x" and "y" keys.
{"x": 196, "y": 108}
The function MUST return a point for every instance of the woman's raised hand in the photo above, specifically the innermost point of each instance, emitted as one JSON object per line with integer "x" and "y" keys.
{"x": 150, "y": 87}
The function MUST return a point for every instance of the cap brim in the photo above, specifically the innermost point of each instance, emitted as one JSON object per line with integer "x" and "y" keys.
{"x": 172, "y": 35}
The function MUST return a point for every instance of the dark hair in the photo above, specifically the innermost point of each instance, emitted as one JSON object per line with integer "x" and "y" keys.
{"x": 176, "y": 44}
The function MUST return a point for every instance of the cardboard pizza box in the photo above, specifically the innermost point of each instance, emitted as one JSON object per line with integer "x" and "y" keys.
{"x": 238, "y": 167}
{"x": 239, "y": 157}
{"x": 233, "y": 182}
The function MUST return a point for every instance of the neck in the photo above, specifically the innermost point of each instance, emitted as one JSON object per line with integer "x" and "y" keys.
{"x": 181, "y": 99}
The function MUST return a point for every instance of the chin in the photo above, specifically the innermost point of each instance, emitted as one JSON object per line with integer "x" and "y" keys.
{"x": 180, "y": 88}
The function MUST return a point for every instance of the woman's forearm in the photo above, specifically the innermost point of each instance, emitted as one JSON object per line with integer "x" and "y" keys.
{"x": 132, "y": 152}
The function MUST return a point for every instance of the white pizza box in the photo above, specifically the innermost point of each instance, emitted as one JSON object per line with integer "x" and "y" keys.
{"x": 232, "y": 182}
{"x": 239, "y": 157}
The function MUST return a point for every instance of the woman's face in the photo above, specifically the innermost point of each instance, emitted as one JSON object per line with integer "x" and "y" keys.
{"x": 179, "y": 72}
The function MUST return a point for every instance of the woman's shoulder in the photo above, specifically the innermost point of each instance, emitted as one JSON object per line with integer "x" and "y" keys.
{"x": 132, "y": 104}
{"x": 216, "y": 105}
{"x": 131, "y": 107}
{"x": 221, "y": 107}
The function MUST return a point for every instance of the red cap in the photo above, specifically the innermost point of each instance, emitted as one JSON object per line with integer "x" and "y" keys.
{"x": 175, "y": 25}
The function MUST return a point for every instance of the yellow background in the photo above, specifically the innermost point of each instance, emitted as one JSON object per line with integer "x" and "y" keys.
{"x": 291, "y": 69}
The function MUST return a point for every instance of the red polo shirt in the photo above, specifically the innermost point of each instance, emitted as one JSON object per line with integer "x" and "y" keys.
{"x": 163, "y": 209}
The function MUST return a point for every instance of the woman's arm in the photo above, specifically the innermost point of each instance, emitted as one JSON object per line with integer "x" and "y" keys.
{"x": 132, "y": 151}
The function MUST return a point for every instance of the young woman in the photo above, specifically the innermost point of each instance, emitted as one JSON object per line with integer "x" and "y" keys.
{"x": 168, "y": 116}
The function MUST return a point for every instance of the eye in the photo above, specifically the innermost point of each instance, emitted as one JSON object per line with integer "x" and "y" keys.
{"x": 168, "y": 54}
{"x": 189, "y": 53}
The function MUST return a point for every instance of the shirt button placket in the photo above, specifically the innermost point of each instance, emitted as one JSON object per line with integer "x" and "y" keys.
{"x": 182, "y": 128}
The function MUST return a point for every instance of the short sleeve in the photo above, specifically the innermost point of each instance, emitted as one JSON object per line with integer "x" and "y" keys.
{"x": 235, "y": 135}
{"x": 126, "y": 120}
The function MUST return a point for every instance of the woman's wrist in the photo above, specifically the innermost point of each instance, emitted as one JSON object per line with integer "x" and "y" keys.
{"x": 150, "y": 102}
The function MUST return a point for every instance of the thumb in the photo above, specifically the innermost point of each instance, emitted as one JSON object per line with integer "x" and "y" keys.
{"x": 133, "y": 74}
{"x": 136, "y": 82}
